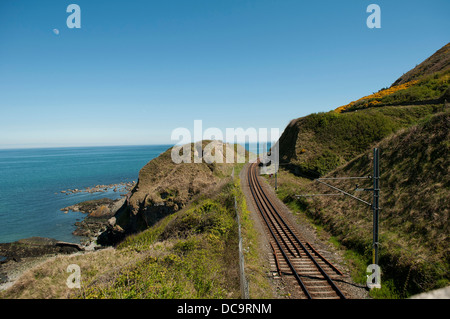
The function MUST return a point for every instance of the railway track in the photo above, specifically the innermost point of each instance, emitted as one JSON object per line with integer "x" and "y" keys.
{"x": 311, "y": 274}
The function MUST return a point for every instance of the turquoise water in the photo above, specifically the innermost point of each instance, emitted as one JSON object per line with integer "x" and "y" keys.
{"x": 31, "y": 181}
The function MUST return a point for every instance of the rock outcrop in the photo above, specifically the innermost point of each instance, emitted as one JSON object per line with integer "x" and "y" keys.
{"x": 35, "y": 247}
{"x": 100, "y": 215}
{"x": 165, "y": 187}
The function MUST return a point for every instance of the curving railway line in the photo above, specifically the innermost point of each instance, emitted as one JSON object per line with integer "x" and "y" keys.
{"x": 312, "y": 275}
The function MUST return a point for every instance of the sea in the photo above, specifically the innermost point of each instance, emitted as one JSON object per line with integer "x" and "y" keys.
{"x": 32, "y": 181}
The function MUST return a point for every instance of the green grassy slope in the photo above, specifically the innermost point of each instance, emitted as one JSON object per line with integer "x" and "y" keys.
{"x": 192, "y": 253}
{"x": 409, "y": 121}
{"x": 316, "y": 144}
{"x": 415, "y": 201}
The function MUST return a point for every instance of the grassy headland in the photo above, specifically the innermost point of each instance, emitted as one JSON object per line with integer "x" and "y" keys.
{"x": 191, "y": 253}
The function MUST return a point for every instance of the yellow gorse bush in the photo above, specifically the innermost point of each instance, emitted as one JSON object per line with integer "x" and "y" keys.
{"x": 373, "y": 99}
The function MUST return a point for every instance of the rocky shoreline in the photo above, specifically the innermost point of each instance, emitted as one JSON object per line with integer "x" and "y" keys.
{"x": 16, "y": 257}
{"x": 100, "y": 217}
{"x": 119, "y": 187}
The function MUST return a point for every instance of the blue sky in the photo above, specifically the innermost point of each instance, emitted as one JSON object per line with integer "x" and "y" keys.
{"x": 136, "y": 70}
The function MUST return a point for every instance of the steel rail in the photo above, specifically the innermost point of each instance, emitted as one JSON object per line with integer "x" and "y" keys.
{"x": 299, "y": 241}
{"x": 291, "y": 266}
{"x": 321, "y": 270}
{"x": 324, "y": 259}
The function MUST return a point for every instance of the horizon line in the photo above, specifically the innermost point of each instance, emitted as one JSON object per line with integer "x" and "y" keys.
{"x": 22, "y": 147}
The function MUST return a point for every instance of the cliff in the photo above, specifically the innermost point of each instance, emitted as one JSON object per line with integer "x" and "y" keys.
{"x": 164, "y": 187}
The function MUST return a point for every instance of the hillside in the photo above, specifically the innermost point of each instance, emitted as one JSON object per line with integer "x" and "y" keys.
{"x": 427, "y": 83}
{"x": 415, "y": 201}
{"x": 409, "y": 122}
{"x": 165, "y": 187}
{"x": 315, "y": 144}
{"x": 439, "y": 61}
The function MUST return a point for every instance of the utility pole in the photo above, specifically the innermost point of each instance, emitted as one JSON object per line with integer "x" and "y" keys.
{"x": 375, "y": 203}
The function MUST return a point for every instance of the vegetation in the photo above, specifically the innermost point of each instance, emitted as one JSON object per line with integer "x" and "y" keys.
{"x": 375, "y": 99}
{"x": 430, "y": 87}
{"x": 323, "y": 141}
{"x": 415, "y": 205}
{"x": 192, "y": 253}
{"x": 439, "y": 61}
{"x": 196, "y": 257}
{"x": 255, "y": 269}
{"x": 426, "y": 82}
{"x": 409, "y": 121}
{"x": 165, "y": 187}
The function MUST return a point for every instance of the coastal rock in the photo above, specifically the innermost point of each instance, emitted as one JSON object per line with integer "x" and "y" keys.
{"x": 100, "y": 216}
{"x": 119, "y": 187}
{"x": 164, "y": 187}
{"x": 19, "y": 256}
{"x": 37, "y": 241}
{"x": 103, "y": 207}
{"x": 3, "y": 277}
{"x": 112, "y": 221}
{"x": 111, "y": 236}
{"x": 35, "y": 247}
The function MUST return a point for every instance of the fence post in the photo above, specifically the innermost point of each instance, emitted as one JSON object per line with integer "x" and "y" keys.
{"x": 244, "y": 283}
